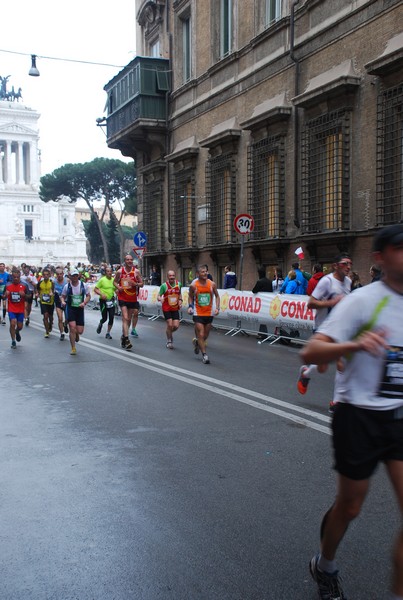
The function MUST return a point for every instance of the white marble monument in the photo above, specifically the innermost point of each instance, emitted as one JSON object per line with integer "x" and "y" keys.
{"x": 31, "y": 231}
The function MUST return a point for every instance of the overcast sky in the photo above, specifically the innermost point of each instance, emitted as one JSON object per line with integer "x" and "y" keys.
{"x": 69, "y": 96}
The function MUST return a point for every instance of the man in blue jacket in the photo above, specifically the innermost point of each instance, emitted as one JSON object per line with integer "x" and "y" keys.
{"x": 301, "y": 280}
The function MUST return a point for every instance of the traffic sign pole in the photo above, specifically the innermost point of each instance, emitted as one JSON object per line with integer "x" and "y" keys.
{"x": 241, "y": 265}
{"x": 243, "y": 224}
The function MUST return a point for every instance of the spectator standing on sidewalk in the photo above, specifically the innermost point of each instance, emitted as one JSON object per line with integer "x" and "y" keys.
{"x": 230, "y": 278}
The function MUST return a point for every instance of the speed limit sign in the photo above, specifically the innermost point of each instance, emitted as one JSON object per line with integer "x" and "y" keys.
{"x": 244, "y": 224}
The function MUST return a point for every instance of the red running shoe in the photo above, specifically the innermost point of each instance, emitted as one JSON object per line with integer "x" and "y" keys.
{"x": 302, "y": 383}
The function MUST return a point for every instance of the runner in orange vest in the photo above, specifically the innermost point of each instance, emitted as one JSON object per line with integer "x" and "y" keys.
{"x": 201, "y": 292}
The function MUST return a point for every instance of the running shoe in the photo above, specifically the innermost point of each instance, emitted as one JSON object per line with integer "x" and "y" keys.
{"x": 134, "y": 333}
{"x": 302, "y": 383}
{"x": 125, "y": 343}
{"x": 27, "y": 322}
{"x": 61, "y": 337}
{"x": 99, "y": 328}
{"x": 14, "y": 345}
{"x": 196, "y": 346}
{"x": 18, "y": 336}
{"x": 329, "y": 587}
{"x": 108, "y": 336}
{"x": 73, "y": 351}
{"x": 3, "y": 322}
{"x": 46, "y": 335}
{"x": 206, "y": 359}
{"x": 66, "y": 328}
{"x": 170, "y": 344}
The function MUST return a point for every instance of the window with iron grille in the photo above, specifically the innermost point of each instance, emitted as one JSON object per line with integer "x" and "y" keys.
{"x": 183, "y": 209}
{"x": 325, "y": 173}
{"x": 221, "y": 203}
{"x": 153, "y": 217}
{"x": 266, "y": 195}
{"x": 389, "y": 167}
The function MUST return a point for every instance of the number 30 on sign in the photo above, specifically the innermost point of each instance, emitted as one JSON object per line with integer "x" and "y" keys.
{"x": 244, "y": 224}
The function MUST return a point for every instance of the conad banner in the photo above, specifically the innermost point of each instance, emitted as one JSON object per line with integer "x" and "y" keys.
{"x": 275, "y": 310}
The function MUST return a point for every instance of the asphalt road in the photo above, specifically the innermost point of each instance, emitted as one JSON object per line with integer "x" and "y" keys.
{"x": 147, "y": 475}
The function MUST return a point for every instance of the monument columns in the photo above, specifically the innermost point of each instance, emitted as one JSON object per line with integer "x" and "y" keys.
{"x": 20, "y": 165}
{"x": 2, "y": 155}
{"x": 8, "y": 162}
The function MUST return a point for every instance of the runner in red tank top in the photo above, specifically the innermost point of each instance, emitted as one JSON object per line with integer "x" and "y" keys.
{"x": 16, "y": 292}
{"x": 171, "y": 297}
{"x": 127, "y": 282}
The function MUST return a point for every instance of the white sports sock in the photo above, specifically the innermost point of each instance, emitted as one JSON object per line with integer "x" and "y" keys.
{"x": 328, "y": 566}
{"x": 310, "y": 370}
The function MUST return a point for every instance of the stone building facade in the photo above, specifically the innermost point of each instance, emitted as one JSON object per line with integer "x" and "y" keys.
{"x": 31, "y": 231}
{"x": 287, "y": 110}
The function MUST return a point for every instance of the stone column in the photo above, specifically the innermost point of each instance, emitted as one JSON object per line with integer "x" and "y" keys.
{"x": 32, "y": 155}
{"x": 20, "y": 164}
{"x": 8, "y": 173}
{"x": 2, "y": 149}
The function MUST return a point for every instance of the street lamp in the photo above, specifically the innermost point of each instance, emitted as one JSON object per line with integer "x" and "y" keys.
{"x": 33, "y": 71}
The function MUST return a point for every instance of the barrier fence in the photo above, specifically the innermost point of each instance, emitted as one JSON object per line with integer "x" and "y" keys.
{"x": 271, "y": 316}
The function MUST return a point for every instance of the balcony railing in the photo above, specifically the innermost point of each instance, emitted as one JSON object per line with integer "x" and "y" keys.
{"x": 136, "y": 94}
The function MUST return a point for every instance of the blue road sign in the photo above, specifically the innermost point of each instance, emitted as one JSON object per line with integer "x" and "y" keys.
{"x": 140, "y": 239}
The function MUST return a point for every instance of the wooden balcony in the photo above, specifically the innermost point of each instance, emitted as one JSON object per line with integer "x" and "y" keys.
{"x": 137, "y": 106}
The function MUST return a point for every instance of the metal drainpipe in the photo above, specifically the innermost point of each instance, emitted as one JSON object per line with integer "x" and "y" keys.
{"x": 296, "y": 118}
{"x": 167, "y": 149}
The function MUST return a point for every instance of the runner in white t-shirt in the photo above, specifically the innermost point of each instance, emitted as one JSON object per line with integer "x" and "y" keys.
{"x": 365, "y": 333}
{"x": 330, "y": 290}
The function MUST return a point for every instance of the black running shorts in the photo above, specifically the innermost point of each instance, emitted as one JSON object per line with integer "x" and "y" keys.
{"x": 203, "y": 320}
{"x": 362, "y": 438}
{"x": 130, "y": 305}
{"x": 171, "y": 314}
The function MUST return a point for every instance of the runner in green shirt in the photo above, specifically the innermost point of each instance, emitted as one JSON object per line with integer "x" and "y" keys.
{"x": 106, "y": 291}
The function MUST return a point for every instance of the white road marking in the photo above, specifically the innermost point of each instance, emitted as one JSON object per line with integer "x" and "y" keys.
{"x": 211, "y": 384}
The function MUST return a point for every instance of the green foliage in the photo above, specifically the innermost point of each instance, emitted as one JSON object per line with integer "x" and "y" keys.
{"x": 94, "y": 240}
{"x": 113, "y": 240}
{"x": 109, "y": 180}
{"x": 101, "y": 179}
{"x": 128, "y": 232}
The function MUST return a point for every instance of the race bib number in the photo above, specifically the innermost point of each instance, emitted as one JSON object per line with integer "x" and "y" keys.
{"x": 109, "y": 304}
{"x": 204, "y": 299}
{"x": 76, "y": 300}
{"x": 46, "y": 298}
{"x": 126, "y": 283}
{"x": 15, "y": 297}
{"x": 392, "y": 380}
{"x": 172, "y": 300}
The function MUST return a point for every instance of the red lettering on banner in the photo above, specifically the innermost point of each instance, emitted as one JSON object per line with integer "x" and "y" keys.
{"x": 143, "y": 294}
{"x": 296, "y": 310}
{"x": 244, "y": 304}
{"x": 309, "y": 314}
{"x": 300, "y": 312}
